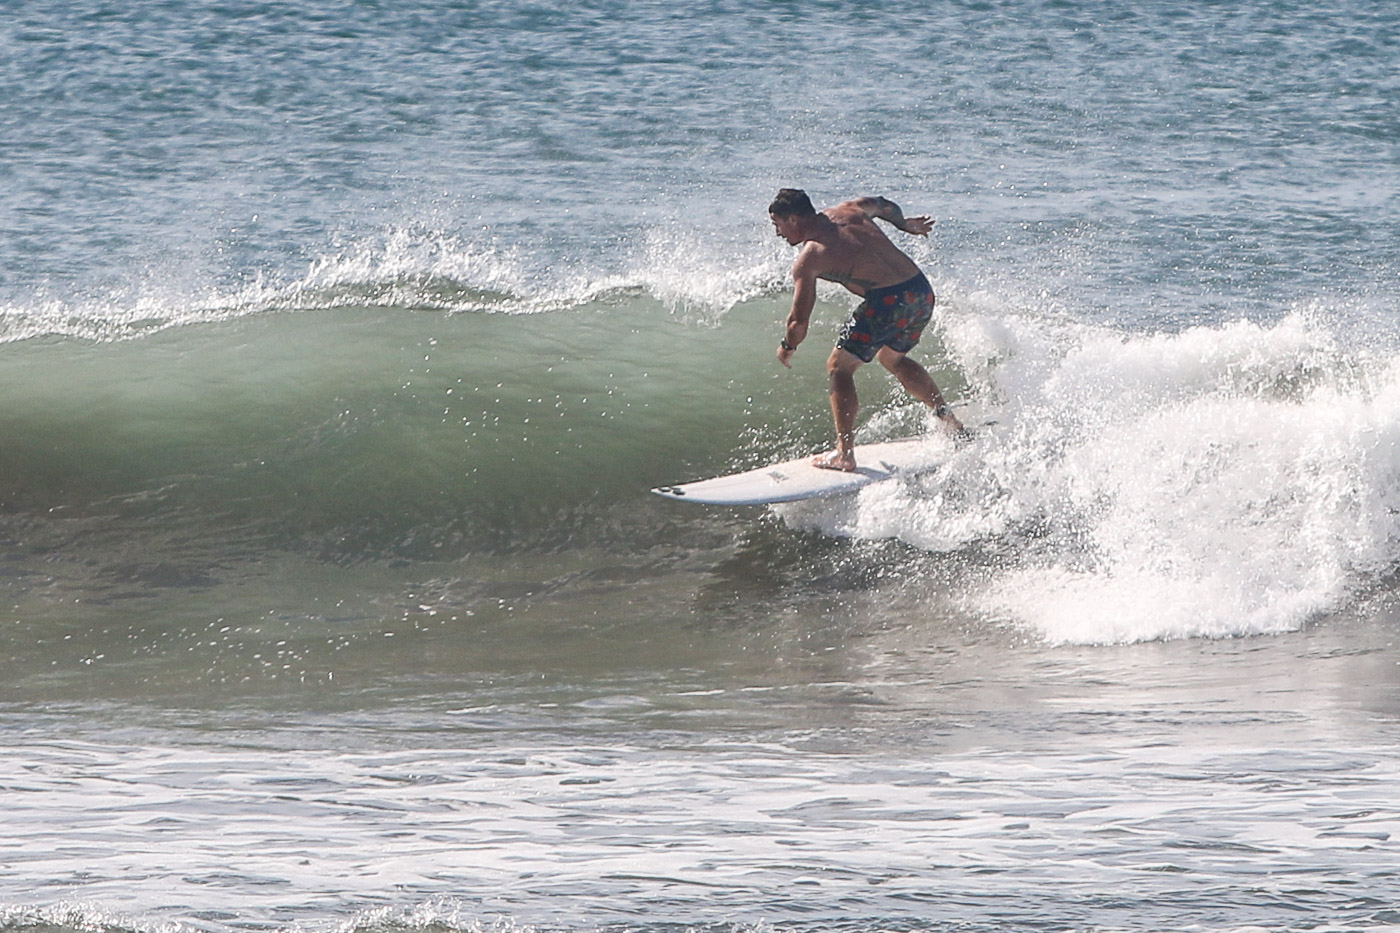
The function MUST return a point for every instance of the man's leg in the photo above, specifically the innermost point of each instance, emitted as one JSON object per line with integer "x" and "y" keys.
{"x": 841, "y": 368}
{"x": 918, "y": 383}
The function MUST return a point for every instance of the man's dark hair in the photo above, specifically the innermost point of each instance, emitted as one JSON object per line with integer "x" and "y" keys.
{"x": 792, "y": 202}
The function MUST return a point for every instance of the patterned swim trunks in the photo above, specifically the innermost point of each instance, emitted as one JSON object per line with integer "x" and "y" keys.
{"x": 894, "y": 316}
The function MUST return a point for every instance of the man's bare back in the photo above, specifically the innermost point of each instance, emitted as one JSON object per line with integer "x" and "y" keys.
{"x": 849, "y": 249}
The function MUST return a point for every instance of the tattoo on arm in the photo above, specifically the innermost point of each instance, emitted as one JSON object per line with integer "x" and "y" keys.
{"x": 883, "y": 209}
{"x": 887, "y": 210}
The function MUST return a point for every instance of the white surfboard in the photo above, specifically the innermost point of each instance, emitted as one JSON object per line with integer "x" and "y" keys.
{"x": 798, "y": 479}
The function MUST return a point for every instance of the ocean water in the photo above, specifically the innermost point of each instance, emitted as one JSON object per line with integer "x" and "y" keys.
{"x": 341, "y": 342}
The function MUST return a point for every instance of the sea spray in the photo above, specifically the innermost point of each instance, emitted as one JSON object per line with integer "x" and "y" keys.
{"x": 1220, "y": 481}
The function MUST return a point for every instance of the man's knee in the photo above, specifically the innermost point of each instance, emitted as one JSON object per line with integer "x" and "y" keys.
{"x": 892, "y": 359}
{"x": 843, "y": 361}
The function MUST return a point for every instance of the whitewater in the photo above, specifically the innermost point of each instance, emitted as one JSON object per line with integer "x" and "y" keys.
{"x": 341, "y": 343}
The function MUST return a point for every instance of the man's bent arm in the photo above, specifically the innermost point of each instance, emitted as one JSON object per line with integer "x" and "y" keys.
{"x": 890, "y": 212}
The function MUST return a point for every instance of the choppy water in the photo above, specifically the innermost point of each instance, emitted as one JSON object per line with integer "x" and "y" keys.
{"x": 340, "y": 344}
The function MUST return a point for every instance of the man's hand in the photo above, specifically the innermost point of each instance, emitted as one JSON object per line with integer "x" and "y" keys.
{"x": 919, "y": 226}
{"x": 785, "y": 354}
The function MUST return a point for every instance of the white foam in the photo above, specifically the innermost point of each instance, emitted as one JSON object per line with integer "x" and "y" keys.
{"x": 1222, "y": 481}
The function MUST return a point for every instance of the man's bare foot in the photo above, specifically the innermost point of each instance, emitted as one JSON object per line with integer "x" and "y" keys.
{"x": 835, "y": 460}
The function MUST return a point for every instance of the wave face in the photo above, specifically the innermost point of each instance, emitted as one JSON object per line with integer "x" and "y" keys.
{"x": 389, "y": 401}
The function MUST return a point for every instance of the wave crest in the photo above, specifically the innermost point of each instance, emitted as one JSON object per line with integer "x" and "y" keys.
{"x": 421, "y": 270}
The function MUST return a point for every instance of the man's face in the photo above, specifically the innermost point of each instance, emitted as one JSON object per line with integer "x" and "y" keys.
{"x": 786, "y": 225}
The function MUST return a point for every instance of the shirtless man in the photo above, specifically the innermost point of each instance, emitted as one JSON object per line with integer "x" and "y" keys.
{"x": 842, "y": 244}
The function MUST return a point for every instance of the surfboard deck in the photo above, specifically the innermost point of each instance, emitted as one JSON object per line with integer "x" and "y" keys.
{"x": 795, "y": 480}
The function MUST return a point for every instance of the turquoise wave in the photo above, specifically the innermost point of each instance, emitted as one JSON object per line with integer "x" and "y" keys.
{"x": 370, "y": 431}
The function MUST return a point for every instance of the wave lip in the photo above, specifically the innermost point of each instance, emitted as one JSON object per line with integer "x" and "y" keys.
{"x": 410, "y": 269}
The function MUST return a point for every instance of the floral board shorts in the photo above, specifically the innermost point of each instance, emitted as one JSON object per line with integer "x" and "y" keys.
{"x": 894, "y": 316}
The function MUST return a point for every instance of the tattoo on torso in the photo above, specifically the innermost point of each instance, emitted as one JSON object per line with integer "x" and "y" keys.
{"x": 846, "y": 278}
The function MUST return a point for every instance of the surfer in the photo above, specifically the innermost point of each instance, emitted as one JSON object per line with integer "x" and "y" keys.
{"x": 842, "y": 244}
